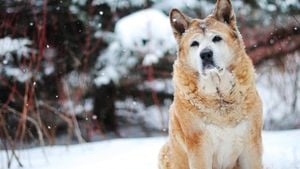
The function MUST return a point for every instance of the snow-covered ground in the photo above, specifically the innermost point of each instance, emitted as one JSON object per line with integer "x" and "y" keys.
{"x": 281, "y": 151}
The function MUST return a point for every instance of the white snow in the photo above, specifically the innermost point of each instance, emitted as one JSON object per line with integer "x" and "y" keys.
{"x": 190, "y": 6}
{"x": 119, "y": 4}
{"x": 150, "y": 59}
{"x": 80, "y": 2}
{"x": 158, "y": 85}
{"x": 282, "y": 5}
{"x": 109, "y": 73}
{"x": 20, "y": 74}
{"x": 149, "y": 25}
{"x": 281, "y": 151}
{"x": 19, "y": 46}
{"x": 141, "y": 37}
{"x": 278, "y": 91}
{"x": 136, "y": 112}
{"x": 71, "y": 83}
{"x": 176, "y": 4}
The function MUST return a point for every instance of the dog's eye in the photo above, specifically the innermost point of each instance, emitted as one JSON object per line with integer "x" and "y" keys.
{"x": 217, "y": 39}
{"x": 195, "y": 44}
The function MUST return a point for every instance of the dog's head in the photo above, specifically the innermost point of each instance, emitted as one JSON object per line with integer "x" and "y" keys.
{"x": 206, "y": 44}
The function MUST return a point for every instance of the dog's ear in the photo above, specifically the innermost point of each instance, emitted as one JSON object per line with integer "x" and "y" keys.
{"x": 179, "y": 22}
{"x": 224, "y": 13}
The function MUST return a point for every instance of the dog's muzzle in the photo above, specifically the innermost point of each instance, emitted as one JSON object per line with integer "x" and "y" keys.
{"x": 207, "y": 58}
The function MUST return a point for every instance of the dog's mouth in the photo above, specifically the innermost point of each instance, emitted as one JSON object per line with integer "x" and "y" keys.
{"x": 211, "y": 67}
{"x": 208, "y": 63}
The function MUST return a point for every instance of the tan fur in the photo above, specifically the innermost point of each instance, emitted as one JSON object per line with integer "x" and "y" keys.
{"x": 187, "y": 145}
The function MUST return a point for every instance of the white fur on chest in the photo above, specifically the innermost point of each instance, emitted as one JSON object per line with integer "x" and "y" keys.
{"x": 225, "y": 144}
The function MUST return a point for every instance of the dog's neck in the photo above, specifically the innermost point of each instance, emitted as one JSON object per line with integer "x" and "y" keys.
{"x": 219, "y": 104}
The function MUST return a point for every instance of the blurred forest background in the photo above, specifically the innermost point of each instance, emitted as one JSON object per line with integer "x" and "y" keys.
{"x": 85, "y": 70}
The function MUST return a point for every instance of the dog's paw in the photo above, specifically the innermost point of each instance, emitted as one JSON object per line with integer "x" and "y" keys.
{"x": 217, "y": 80}
{"x": 209, "y": 81}
{"x": 226, "y": 81}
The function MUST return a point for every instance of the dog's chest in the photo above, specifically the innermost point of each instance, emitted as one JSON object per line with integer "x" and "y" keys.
{"x": 226, "y": 143}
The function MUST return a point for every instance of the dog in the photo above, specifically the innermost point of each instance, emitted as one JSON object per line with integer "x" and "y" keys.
{"x": 216, "y": 115}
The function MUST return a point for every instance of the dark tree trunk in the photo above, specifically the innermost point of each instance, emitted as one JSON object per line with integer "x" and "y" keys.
{"x": 104, "y": 107}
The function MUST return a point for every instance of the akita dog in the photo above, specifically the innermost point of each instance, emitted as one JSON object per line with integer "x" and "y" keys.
{"x": 216, "y": 116}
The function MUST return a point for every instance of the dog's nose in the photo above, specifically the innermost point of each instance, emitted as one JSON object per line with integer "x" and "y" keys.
{"x": 207, "y": 58}
{"x": 206, "y": 54}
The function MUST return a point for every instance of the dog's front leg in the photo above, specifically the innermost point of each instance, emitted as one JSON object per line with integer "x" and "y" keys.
{"x": 199, "y": 153}
{"x": 251, "y": 157}
{"x": 198, "y": 161}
